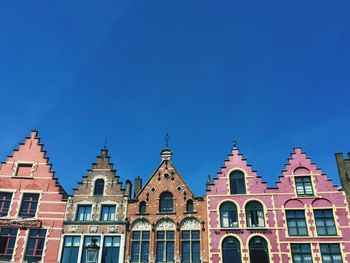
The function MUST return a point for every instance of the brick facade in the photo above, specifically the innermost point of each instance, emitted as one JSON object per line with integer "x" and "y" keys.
{"x": 303, "y": 192}
{"x": 155, "y": 221}
{"x": 104, "y": 217}
{"x": 36, "y": 208}
{"x": 344, "y": 173}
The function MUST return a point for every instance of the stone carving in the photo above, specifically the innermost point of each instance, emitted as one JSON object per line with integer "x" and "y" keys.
{"x": 141, "y": 225}
{"x": 112, "y": 229}
{"x": 93, "y": 229}
{"x": 190, "y": 224}
{"x": 74, "y": 229}
{"x": 165, "y": 224}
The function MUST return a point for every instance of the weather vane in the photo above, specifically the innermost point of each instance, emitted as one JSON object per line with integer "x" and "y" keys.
{"x": 105, "y": 146}
{"x": 166, "y": 140}
{"x": 235, "y": 143}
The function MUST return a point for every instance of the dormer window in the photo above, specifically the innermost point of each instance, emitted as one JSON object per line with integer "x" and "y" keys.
{"x": 24, "y": 169}
{"x": 303, "y": 186}
{"x": 99, "y": 187}
{"x": 237, "y": 183}
{"x": 166, "y": 202}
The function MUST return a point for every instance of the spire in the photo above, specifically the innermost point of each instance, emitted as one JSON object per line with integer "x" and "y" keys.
{"x": 166, "y": 153}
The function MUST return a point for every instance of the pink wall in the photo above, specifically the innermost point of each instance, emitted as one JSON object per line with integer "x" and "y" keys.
{"x": 51, "y": 207}
{"x": 275, "y": 200}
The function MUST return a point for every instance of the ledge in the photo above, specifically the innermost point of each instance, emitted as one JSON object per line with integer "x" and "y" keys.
{"x": 70, "y": 222}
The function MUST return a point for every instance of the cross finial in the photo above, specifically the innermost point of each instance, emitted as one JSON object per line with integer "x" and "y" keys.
{"x": 235, "y": 143}
{"x": 166, "y": 138}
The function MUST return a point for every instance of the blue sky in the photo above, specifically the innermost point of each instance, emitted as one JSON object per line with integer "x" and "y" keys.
{"x": 274, "y": 74}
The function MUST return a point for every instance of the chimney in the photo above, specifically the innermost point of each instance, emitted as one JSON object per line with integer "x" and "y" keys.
{"x": 128, "y": 189}
{"x": 137, "y": 186}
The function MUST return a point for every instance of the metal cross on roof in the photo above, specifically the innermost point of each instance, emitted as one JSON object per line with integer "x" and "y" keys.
{"x": 166, "y": 138}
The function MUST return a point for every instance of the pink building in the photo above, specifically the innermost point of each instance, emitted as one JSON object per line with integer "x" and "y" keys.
{"x": 304, "y": 218}
{"x": 32, "y": 206}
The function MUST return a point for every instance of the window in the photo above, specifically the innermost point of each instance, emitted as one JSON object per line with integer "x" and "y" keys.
{"x": 70, "y": 249}
{"x": 189, "y": 206}
{"x": 108, "y": 213}
{"x": 142, "y": 207}
{"x": 325, "y": 222}
{"x": 258, "y": 250}
{"x": 5, "y": 201}
{"x": 301, "y": 253}
{"x": 255, "y": 214}
{"x": 87, "y": 241}
{"x": 111, "y": 247}
{"x": 330, "y": 253}
{"x": 165, "y": 246}
{"x": 228, "y": 215}
{"x": 140, "y": 246}
{"x": 99, "y": 187}
{"x": 35, "y": 245}
{"x": 296, "y": 223}
{"x": 304, "y": 186}
{"x": 190, "y": 244}
{"x": 7, "y": 243}
{"x": 24, "y": 169}
{"x": 29, "y": 205}
{"x": 166, "y": 203}
{"x": 231, "y": 250}
{"x": 237, "y": 183}
{"x": 84, "y": 213}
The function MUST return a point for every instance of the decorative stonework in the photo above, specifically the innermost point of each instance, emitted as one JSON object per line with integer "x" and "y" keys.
{"x": 141, "y": 225}
{"x": 165, "y": 224}
{"x": 93, "y": 229}
{"x": 74, "y": 229}
{"x": 190, "y": 224}
{"x": 112, "y": 229}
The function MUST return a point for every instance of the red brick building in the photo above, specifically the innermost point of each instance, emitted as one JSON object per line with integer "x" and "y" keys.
{"x": 167, "y": 223}
{"x": 32, "y": 205}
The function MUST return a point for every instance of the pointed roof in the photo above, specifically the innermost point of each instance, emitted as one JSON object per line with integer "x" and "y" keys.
{"x": 31, "y": 150}
{"x": 103, "y": 161}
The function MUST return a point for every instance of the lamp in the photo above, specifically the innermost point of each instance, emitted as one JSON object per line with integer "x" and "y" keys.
{"x": 92, "y": 251}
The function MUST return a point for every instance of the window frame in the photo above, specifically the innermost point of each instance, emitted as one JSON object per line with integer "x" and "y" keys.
{"x": 190, "y": 204}
{"x": 84, "y": 215}
{"x": 31, "y": 203}
{"x": 331, "y": 253}
{"x": 9, "y": 237}
{"x": 142, "y": 242}
{"x": 165, "y": 241}
{"x": 97, "y": 187}
{"x": 303, "y": 185}
{"x": 324, "y": 221}
{"x": 227, "y": 210}
{"x": 4, "y": 200}
{"x": 237, "y": 178}
{"x": 105, "y": 247}
{"x": 166, "y": 202}
{"x": 108, "y": 206}
{"x": 297, "y": 219}
{"x": 302, "y": 253}
{"x": 71, "y": 247}
{"x": 253, "y": 213}
{"x": 37, "y": 242}
{"x": 191, "y": 240}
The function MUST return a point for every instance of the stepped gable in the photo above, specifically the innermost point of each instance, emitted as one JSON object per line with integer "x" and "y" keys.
{"x": 237, "y": 161}
{"x": 300, "y": 164}
{"x": 102, "y": 167}
{"x": 31, "y": 152}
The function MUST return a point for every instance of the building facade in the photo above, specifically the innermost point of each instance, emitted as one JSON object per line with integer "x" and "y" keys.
{"x": 96, "y": 210}
{"x": 344, "y": 173}
{"x": 32, "y": 205}
{"x": 167, "y": 222}
{"x": 303, "y": 219}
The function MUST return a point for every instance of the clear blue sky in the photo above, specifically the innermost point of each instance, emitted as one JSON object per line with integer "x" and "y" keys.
{"x": 274, "y": 74}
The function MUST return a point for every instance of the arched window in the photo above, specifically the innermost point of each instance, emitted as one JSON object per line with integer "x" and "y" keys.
{"x": 166, "y": 202}
{"x": 254, "y": 214}
{"x": 99, "y": 187}
{"x": 258, "y": 250}
{"x": 231, "y": 250}
{"x": 189, "y": 206}
{"x": 228, "y": 215}
{"x": 142, "y": 207}
{"x": 237, "y": 183}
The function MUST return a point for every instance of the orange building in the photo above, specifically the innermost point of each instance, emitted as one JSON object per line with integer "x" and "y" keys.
{"x": 167, "y": 222}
